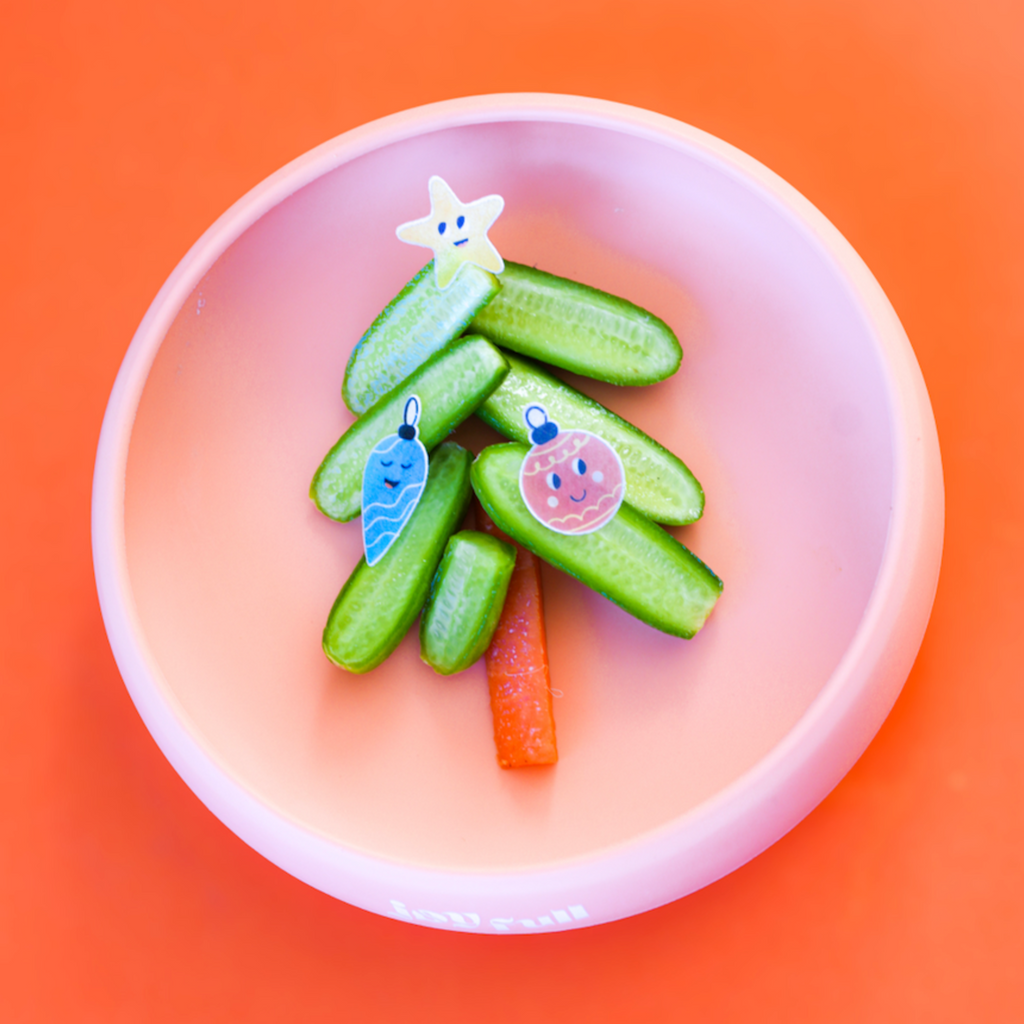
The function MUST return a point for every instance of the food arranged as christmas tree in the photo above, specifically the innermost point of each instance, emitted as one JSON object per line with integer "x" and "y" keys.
{"x": 576, "y": 486}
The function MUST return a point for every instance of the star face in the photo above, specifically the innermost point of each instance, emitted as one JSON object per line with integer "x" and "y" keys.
{"x": 456, "y": 231}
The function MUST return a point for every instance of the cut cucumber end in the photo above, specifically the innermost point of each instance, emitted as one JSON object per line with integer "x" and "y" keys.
{"x": 466, "y": 598}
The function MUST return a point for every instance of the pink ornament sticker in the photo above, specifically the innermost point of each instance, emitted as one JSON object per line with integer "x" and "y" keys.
{"x": 571, "y": 480}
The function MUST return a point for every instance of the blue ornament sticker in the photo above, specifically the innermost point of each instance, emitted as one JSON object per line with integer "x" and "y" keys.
{"x": 393, "y": 481}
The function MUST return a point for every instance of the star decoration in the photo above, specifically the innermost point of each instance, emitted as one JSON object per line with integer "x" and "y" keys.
{"x": 456, "y": 231}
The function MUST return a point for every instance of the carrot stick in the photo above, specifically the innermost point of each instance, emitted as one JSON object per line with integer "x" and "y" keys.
{"x": 517, "y": 667}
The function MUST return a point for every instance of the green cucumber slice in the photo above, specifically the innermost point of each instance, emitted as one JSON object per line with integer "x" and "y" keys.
{"x": 466, "y": 598}
{"x": 658, "y": 484}
{"x": 451, "y": 384}
{"x": 378, "y": 603}
{"x": 630, "y": 560}
{"x": 578, "y": 328}
{"x": 419, "y": 321}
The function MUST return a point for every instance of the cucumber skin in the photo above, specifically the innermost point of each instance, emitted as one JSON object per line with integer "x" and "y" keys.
{"x": 479, "y": 568}
{"x": 578, "y": 328}
{"x": 620, "y": 560}
{"x": 379, "y": 603}
{"x": 677, "y": 501}
{"x": 419, "y": 321}
{"x": 337, "y": 485}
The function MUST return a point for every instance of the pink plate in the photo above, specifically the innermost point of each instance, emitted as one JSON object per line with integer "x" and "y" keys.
{"x": 799, "y": 406}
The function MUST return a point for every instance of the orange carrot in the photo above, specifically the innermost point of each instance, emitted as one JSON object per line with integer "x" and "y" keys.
{"x": 517, "y": 667}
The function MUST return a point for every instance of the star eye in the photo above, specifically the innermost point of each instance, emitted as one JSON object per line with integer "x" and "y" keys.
{"x": 554, "y": 481}
{"x": 579, "y": 467}
{"x": 441, "y": 228}
{"x": 460, "y": 221}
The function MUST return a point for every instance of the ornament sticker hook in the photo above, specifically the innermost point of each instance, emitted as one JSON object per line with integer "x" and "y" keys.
{"x": 393, "y": 480}
{"x": 571, "y": 480}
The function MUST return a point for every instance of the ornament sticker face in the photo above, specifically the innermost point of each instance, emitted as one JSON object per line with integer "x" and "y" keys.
{"x": 456, "y": 231}
{"x": 393, "y": 481}
{"x": 571, "y": 480}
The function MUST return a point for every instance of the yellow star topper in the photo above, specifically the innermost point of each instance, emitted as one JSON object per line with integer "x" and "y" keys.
{"x": 456, "y": 231}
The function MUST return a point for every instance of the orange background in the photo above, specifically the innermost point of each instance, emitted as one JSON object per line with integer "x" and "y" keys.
{"x": 127, "y": 129}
